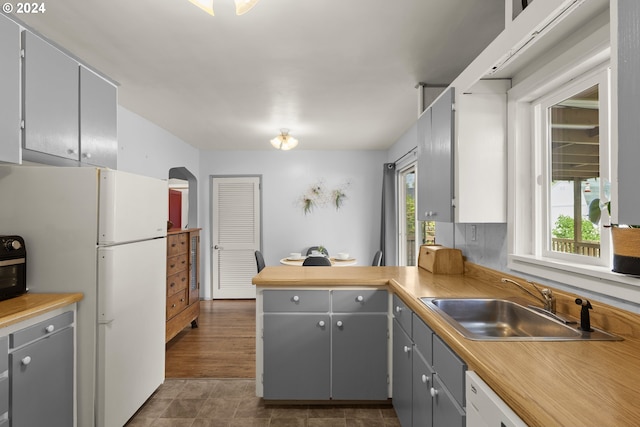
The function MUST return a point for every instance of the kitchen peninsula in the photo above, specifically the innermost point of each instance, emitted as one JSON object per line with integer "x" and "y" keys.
{"x": 546, "y": 383}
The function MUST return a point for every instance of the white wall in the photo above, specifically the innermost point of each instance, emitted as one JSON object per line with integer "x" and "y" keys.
{"x": 147, "y": 149}
{"x": 286, "y": 176}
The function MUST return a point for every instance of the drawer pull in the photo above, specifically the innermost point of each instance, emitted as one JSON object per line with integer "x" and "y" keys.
{"x": 296, "y": 298}
{"x": 173, "y": 306}
{"x": 360, "y": 298}
{"x": 26, "y": 360}
{"x": 50, "y": 328}
{"x": 181, "y": 299}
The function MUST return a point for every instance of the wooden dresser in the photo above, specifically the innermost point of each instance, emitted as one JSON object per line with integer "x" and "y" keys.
{"x": 183, "y": 280}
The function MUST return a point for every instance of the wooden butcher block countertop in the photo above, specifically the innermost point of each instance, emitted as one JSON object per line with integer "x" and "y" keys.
{"x": 21, "y": 308}
{"x": 547, "y": 383}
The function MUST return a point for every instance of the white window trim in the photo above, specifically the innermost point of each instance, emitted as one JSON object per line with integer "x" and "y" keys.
{"x": 401, "y": 170}
{"x": 592, "y": 52}
{"x": 541, "y": 236}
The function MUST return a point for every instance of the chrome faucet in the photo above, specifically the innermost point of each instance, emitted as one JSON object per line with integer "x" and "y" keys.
{"x": 547, "y": 300}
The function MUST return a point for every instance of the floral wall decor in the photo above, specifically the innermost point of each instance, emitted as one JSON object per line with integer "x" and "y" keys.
{"x": 319, "y": 195}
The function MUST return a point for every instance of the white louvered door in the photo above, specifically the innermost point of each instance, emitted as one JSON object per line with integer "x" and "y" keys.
{"x": 235, "y": 229}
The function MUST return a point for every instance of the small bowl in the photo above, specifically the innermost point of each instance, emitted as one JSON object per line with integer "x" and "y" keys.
{"x": 295, "y": 255}
{"x": 342, "y": 255}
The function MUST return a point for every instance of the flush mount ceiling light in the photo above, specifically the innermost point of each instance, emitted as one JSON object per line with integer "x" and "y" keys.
{"x": 242, "y": 6}
{"x": 284, "y": 141}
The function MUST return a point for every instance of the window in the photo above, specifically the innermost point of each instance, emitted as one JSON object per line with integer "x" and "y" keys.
{"x": 412, "y": 233}
{"x": 407, "y": 215}
{"x": 571, "y": 138}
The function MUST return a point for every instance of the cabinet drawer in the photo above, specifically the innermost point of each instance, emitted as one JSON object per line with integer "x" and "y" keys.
{"x": 422, "y": 337}
{"x": 450, "y": 369}
{"x": 177, "y": 282}
{"x": 402, "y": 314}
{"x": 177, "y": 243}
{"x": 363, "y": 300}
{"x": 39, "y": 330}
{"x": 177, "y": 263}
{"x": 176, "y": 303}
{"x": 296, "y": 301}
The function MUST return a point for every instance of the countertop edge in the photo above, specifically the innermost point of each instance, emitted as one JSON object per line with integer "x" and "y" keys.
{"x": 30, "y": 305}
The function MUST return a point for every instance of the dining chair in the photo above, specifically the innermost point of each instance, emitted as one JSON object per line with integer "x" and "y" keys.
{"x": 377, "y": 259}
{"x": 320, "y": 249}
{"x": 259, "y": 261}
{"x": 317, "y": 261}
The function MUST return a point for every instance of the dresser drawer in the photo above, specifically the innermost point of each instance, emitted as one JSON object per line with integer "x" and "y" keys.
{"x": 41, "y": 329}
{"x": 177, "y": 263}
{"x": 296, "y": 301}
{"x": 177, "y": 282}
{"x": 176, "y": 303}
{"x": 360, "y": 301}
{"x": 177, "y": 244}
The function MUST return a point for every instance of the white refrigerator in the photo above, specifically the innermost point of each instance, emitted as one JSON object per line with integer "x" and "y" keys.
{"x": 103, "y": 233}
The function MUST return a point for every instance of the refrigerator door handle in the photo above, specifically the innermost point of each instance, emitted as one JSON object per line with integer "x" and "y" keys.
{"x": 105, "y": 286}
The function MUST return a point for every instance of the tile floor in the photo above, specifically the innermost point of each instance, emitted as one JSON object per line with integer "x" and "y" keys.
{"x": 232, "y": 403}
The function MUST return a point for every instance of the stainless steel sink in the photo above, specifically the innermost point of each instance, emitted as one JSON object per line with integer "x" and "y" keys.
{"x": 502, "y": 320}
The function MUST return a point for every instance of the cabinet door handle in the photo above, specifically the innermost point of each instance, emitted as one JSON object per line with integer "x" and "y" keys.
{"x": 406, "y": 349}
{"x": 26, "y": 360}
{"x": 425, "y": 379}
{"x": 321, "y": 323}
{"x": 434, "y": 392}
{"x": 50, "y": 328}
{"x": 339, "y": 323}
{"x": 398, "y": 309}
{"x": 86, "y": 155}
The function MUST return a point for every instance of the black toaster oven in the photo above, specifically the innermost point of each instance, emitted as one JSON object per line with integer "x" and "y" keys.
{"x": 13, "y": 267}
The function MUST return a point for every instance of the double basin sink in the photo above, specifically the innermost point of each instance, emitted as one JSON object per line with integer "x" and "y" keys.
{"x": 501, "y": 320}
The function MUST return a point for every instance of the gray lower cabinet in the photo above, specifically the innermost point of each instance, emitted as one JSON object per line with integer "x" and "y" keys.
{"x": 428, "y": 377}
{"x": 402, "y": 375}
{"x": 4, "y": 382}
{"x": 50, "y": 99}
{"x": 297, "y": 356}
{"x": 9, "y": 91}
{"x": 41, "y": 373}
{"x": 320, "y": 345}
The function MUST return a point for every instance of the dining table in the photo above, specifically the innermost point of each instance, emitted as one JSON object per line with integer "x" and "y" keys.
{"x": 335, "y": 262}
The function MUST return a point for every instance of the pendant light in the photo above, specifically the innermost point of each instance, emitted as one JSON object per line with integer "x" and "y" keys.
{"x": 284, "y": 141}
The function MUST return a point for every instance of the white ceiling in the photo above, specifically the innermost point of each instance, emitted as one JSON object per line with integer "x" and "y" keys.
{"x": 340, "y": 74}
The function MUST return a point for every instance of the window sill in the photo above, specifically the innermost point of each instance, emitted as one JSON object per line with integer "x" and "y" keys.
{"x": 596, "y": 279}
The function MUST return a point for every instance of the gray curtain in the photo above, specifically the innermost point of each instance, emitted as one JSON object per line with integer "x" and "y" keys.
{"x": 388, "y": 241}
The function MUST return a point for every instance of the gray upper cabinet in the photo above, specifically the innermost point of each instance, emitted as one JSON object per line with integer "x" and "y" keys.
{"x": 628, "y": 104}
{"x": 98, "y": 120}
{"x": 9, "y": 91}
{"x": 435, "y": 164}
{"x": 50, "y": 99}
{"x": 426, "y": 168}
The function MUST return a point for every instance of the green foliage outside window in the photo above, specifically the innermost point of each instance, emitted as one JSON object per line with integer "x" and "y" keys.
{"x": 564, "y": 229}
